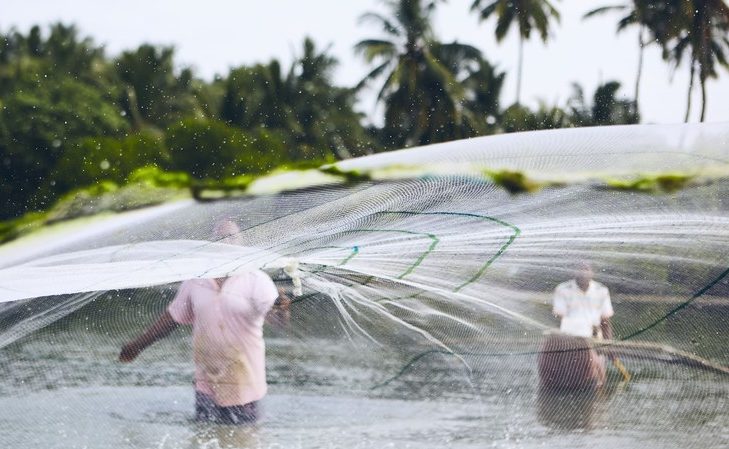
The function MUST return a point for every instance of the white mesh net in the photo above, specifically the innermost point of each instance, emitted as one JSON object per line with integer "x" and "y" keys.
{"x": 425, "y": 312}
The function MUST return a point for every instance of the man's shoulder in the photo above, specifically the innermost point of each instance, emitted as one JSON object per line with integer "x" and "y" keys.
{"x": 599, "y": 287}
{"x": 256, "y": 274}
{"x": 193, "y": 283}
{"x": 253, "y": 277}
{"x": 262, "y": 274}
{"x": 194, "y": 286}
{"x": 566, "y": 285}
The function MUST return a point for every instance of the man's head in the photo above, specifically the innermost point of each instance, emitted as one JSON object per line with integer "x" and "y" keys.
{"x": 583, "y": 274}
{"x": 226, "y": 231}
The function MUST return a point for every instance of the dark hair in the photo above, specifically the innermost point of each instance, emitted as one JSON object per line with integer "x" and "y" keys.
{"x": 583, "y": 265}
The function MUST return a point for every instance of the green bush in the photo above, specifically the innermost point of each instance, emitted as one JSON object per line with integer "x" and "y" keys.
{"x": 38, "y": 124}
{"x": 210, "y": 149}
{"x": 153, "y": 176}
{"x": 92, "y": 159}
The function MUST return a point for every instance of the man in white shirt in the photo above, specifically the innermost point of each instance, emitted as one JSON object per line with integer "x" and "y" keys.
{"x": 583, "y": 305}
{"x": 567, "y": 360}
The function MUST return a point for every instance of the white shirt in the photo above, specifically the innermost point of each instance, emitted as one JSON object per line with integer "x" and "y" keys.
{"x": 580, "y": 310}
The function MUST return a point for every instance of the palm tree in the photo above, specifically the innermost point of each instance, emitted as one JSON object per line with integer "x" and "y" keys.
{"x": 317, "y": 116}
{"x": 155, "y": 93}
{"x": 481, "y": 108}
{"x": 637, "y": 12}
{"x": 704, "y": 35}
{"x": 422, "y": 92}
{"x": 606, "y": 107}
{"x": 69, "y": 52}
{"x": 325, "y": 111}
{"x": 61, "y": 51}
{"x": 259, "y": 95}
{"x": 528, "y": 14}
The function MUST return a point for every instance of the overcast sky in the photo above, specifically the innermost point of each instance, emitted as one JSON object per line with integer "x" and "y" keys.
{"x": 214, "y": 35}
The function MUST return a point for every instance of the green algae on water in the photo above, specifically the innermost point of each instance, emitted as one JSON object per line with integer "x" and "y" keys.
{"x": 349, "y": 176}
{"x": 665, "y": 183}
{"x": 513, "y": 181}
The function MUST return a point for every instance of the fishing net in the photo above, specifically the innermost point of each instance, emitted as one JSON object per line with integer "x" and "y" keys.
{"x": 423, "y": 317}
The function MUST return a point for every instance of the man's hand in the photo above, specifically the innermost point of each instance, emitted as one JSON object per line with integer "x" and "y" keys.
{"x": 607, "y": 328}
{"x": 129, "y": 352}
{"x": 280, "y": 313}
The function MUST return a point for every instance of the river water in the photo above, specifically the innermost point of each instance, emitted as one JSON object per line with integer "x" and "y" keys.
{"x": 63, "y": 388}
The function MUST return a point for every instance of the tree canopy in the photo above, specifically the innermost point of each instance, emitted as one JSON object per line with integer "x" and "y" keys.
{"x": 71, "y": 115}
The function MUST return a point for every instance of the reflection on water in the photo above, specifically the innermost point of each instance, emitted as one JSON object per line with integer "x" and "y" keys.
{"x": 64, "y": 390}
{"x": 569, "y": 409}
{"x": 226, "y": 437}
{"x": 682, "y": 409}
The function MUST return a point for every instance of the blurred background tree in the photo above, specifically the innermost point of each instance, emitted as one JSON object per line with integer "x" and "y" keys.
{"x": 54, "y": 89}
{"x": 606, "y": 108}
{"x": 637, "y": 13}
{"x": 526, "y": 15}
{"x": 316, "y": 119}
{"x": 701, "y": 30}
{"x": 71, "y": 116}
{"x": 430, "y": 88}
{"x": 153, "y": 93}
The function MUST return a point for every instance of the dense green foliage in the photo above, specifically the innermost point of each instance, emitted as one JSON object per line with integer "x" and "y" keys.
{"x": 606, "y": 109}
{"x": 432, "y": 91}
{"x": 49, "y": 96}
{"x": 72, "y": 116}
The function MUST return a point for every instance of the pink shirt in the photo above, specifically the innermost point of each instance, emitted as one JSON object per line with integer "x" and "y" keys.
{"x": 227, "y": 334}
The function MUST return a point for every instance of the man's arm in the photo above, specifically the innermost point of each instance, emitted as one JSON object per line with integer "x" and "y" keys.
{"x": 607, "y": 333}
{"x": 559, "y": 303}
{"x": 160, "y": 329}
{"x": 606, "y": 311}
{"x": 607, "y": 328}
{"x": 280, "y": 314}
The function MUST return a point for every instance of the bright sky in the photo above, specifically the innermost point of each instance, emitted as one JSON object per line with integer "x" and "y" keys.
{"x": 214, "y": 35}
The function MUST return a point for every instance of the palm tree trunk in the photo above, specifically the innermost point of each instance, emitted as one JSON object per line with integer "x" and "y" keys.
{"x": 518, "y": 73}
{"x": 703, "y": 97}
{"x": 133, "y": 104}
{"x": 691, "y": 88}
{"x": 641, "y": 47}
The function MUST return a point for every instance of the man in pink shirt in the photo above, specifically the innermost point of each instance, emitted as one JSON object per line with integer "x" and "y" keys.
{"x": 227, "y": 316}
